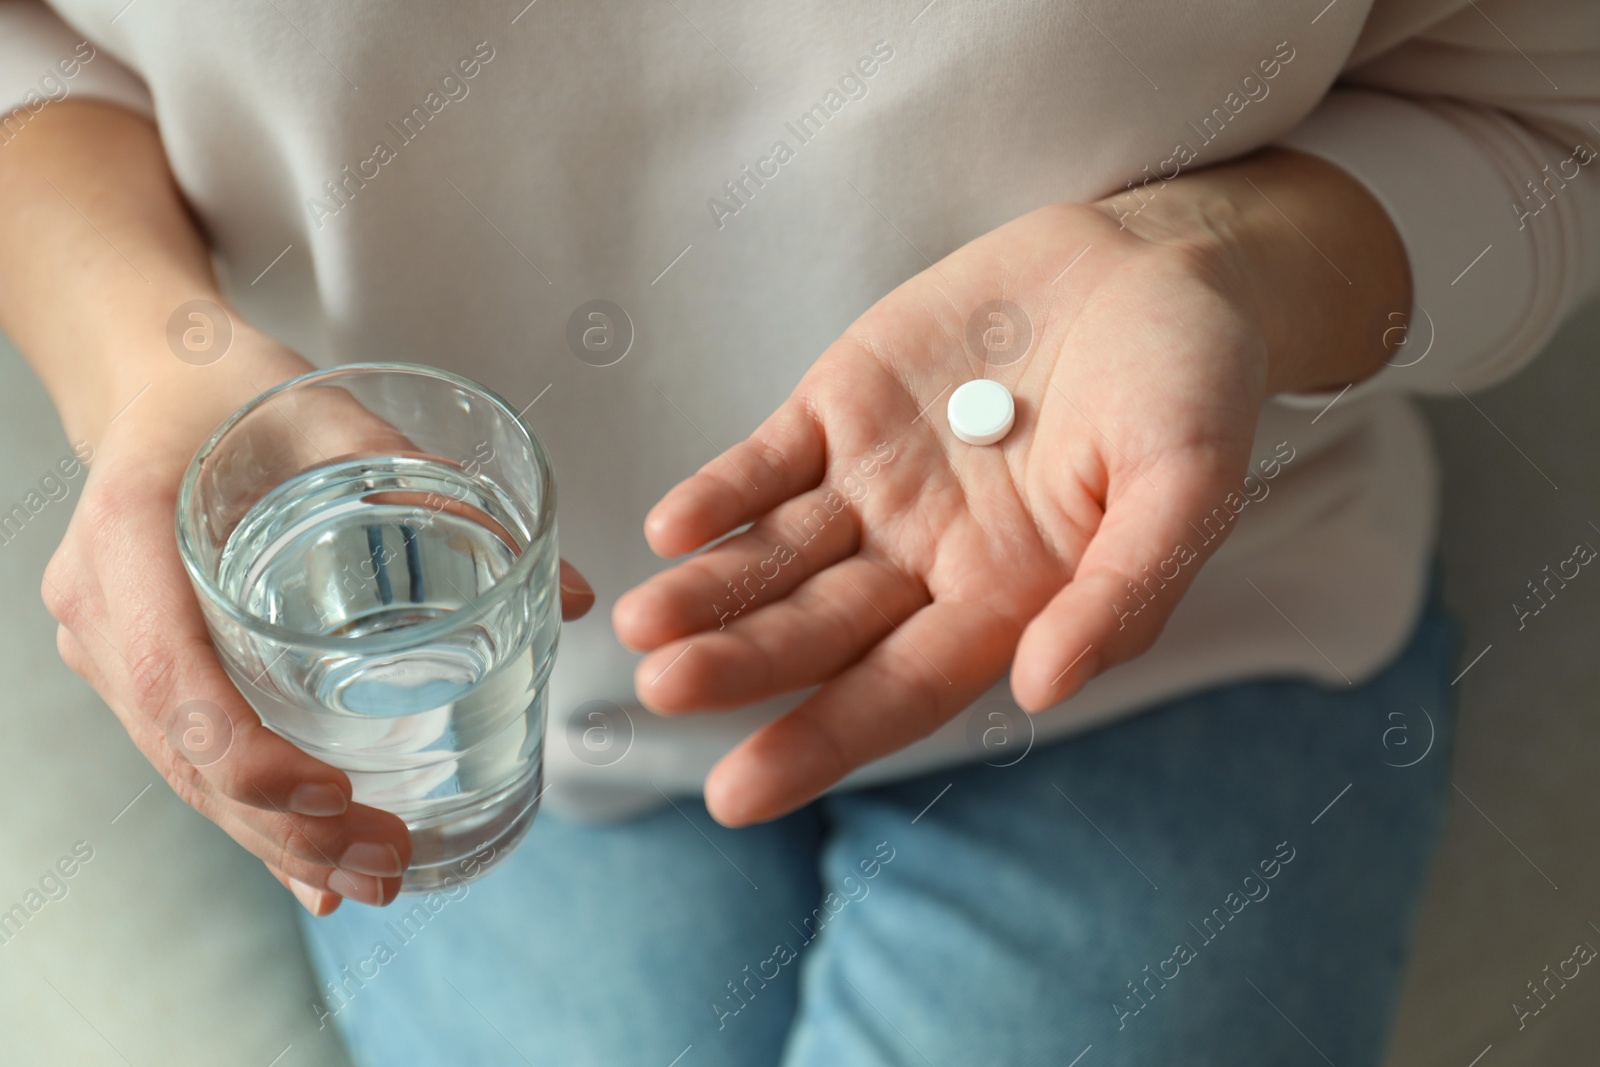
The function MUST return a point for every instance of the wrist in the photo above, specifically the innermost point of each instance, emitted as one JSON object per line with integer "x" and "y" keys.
{"x": 1301, "y": 247}
{"x": 146, "y": 385}
{"x": 108, "y": 287}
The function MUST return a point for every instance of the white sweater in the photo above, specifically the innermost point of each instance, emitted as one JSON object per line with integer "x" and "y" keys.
{"x": 448, "y": 182}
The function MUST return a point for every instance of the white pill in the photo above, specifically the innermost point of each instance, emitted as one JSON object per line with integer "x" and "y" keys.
{"x": 981, "y": 412}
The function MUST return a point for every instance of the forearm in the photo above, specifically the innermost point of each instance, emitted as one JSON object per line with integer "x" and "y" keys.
{"x": 1303, "y": 245}
{"x": 97, "y": 250}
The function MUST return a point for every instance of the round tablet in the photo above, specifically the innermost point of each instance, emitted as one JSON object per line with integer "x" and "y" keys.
{"x": 981, "y": 412}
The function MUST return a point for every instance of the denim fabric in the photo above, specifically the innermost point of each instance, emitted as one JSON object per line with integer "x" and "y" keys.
{"x": 1231, "y": 877}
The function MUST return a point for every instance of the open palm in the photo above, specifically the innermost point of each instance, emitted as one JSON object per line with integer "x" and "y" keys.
{"x": 902, "y": 570}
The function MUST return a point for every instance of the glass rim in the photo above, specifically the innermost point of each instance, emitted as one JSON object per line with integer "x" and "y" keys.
{"x": 386, "y": 640}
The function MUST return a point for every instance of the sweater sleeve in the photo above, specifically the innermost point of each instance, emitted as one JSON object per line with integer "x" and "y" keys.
{"x": 1486, "y": 155}
{"x": 43, "y": 60}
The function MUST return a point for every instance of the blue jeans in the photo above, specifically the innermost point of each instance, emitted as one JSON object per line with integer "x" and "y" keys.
{"x": 1228, "y": 878}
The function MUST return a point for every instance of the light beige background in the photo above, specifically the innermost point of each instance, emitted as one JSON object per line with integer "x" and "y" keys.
{"x": 174, "y": 947}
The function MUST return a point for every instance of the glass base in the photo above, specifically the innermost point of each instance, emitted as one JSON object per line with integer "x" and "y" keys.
{"x": 456, "y": 847}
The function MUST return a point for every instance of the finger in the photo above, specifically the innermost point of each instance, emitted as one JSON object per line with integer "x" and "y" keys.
{"x": 359, "y": 854}
{"x": 214, "y": 748}
{"x": 159, "y": 655}
{"x": 364, "y": 840}
{"x": 933, "y": 666}
{"x": 184, "y": 693}
{"x": 783, "y": 458}
{"x": 804, "y": 639}
{"x": 577, "y": 595}
{"x": 1136, "y": 568}
{"x": 318, "y": 902}
{"x": 318, "y": 843}
{"x": 789, "y": 545}
{"x": 268, "y": 847}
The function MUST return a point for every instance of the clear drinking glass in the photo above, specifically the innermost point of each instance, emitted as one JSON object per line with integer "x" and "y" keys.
{"x": 374, "y": 548}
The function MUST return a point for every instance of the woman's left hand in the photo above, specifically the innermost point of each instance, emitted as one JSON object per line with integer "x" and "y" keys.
{"x": 902, "y": 570}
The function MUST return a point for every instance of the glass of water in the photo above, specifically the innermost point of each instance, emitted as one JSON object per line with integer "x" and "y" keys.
{"x": 374, "y": 548}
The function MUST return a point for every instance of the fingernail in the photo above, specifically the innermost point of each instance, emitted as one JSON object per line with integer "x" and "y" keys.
{"x": 317, "y": 799}
{"x": 370, "y": 857}
{"x": 356, "y": 886}
{"x": 572, "y": 581}
{"x": 309, "y": 898}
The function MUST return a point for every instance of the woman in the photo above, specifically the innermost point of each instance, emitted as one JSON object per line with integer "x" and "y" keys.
{"x": 1207, "y": 280}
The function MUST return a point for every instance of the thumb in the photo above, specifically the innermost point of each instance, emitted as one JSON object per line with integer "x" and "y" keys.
{"x": 577, "y": 595}
{"x": 1141, "y": 561}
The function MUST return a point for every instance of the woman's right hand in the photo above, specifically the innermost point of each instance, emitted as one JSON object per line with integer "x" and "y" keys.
{"x": 91, "y": 307}
{"x": 131, "y": 627}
